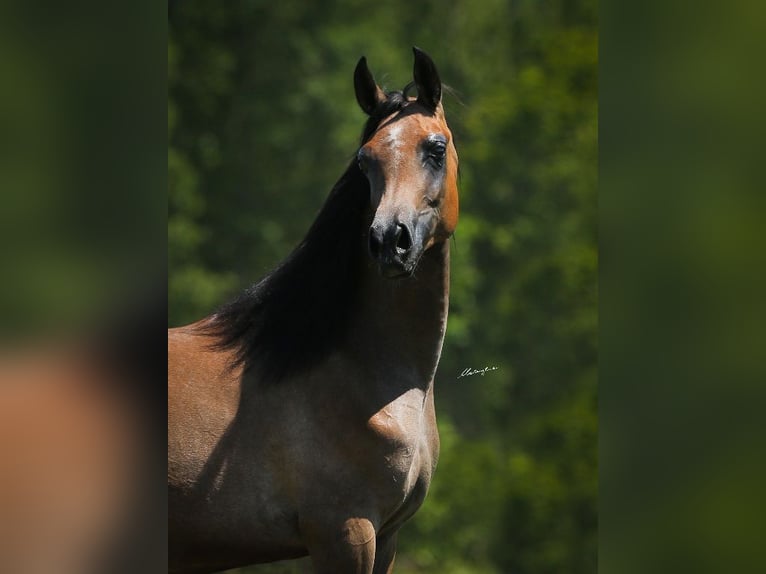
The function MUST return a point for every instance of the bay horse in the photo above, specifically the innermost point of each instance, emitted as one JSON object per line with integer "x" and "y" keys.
{"x": 301, "y": 415}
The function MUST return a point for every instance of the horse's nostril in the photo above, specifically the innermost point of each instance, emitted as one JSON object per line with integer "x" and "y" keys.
{"x": 403, "y": 239}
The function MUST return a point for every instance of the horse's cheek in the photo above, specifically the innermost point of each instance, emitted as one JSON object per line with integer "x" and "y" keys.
{"x": 450, "y": 210}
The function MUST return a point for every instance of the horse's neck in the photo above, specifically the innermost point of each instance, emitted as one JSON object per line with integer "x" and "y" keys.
{"x": 401, "y": 323}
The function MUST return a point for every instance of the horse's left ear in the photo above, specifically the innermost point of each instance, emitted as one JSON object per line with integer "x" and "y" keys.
{"x": 426, "y": 79}
{"x": 368, "y": 93}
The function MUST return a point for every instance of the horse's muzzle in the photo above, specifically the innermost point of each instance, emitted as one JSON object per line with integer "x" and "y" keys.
{"x": 392, "y": 248}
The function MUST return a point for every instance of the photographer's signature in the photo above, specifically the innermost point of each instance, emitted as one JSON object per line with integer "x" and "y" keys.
{"x": 469, "y": 372}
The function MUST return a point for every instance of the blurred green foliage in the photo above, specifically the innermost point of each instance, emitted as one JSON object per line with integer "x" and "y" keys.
{"x": 683, "y": 319}
{"x": 81, "y": 165}
{"x": 262, "y": 121}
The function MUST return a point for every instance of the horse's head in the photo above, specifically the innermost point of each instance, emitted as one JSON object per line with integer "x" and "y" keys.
{"x": 411, "y": 164}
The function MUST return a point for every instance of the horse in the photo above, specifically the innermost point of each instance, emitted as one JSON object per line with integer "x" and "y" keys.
{"x": 301, "y": 414}
{"x": 78, "y": 407}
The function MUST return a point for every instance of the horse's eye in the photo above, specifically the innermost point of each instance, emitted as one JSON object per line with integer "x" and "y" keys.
{"x": 436, "y": 154}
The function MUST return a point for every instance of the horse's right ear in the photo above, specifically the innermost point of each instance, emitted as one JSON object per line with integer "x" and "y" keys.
{"x": 368, "y": 93}
{"x": 426, "y": 79}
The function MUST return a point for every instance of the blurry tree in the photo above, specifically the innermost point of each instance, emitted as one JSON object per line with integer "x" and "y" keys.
{"x": 262, "y": 121}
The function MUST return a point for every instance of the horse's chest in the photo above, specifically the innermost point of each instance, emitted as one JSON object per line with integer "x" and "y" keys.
{"x": 403, "y": 438}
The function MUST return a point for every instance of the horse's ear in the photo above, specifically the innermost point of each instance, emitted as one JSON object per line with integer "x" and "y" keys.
{"x": 368, "y": 93}
{"x": 426, "y": 79}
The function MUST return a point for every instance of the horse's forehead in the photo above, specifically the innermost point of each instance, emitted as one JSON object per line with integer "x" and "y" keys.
{"x": 403, "y": 129}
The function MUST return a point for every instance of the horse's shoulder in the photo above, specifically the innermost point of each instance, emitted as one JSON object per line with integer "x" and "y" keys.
{"x": 401, "y": 419}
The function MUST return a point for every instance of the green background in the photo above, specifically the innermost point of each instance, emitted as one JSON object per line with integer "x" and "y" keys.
{"x": 262, "y": 121}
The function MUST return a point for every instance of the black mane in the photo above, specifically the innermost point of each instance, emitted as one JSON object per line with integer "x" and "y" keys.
{"x": 295, "y": 315}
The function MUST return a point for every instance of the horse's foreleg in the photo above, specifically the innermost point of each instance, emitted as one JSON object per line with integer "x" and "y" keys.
{"x": 345, "y": 546}
{"x": 385, "y": 551}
